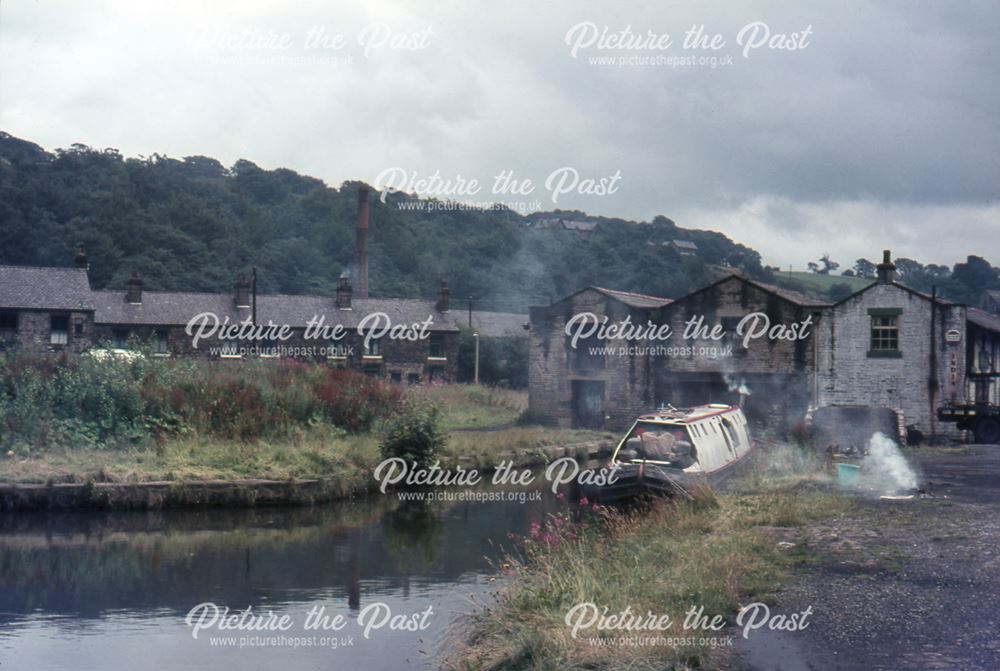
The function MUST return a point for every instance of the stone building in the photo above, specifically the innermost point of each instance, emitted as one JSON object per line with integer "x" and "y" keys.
{"x": 772, "y": 378}
{"x": 46, "y": 308}
{"x": 888, "y": 346}
{"x": 885, "y": 351}
{"x": 54, "y": 309}
{"x": 586, "y": 386}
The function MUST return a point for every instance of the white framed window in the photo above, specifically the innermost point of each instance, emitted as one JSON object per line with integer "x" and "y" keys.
{"x": 59, "y": 329}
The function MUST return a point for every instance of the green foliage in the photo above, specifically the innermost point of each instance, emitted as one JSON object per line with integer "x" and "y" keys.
{"x": 414, "y": 433}
{"x": 192, "y": 225}
{"x": 83, "y": 402}
{"x": 503, "y": 362}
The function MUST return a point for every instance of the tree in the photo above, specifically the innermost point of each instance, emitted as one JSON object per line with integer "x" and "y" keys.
{"x": 828, "y": 265}
{"x": 864, "y": 269}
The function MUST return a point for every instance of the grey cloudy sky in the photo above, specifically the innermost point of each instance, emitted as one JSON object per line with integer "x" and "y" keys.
{"x": 881, "y": 132}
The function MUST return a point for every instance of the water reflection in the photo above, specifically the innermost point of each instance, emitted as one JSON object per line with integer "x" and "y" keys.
{"x": 125, "y": 581}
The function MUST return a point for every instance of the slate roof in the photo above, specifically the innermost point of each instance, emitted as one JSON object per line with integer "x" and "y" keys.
{"x": 493, "y": 324}
{"x": 983, "y": 319}
{"x": 788, "y": 294}
{"x": 168, "y": 308}
{"x": 633, "y": 299}
{"x": 40, "y": 288}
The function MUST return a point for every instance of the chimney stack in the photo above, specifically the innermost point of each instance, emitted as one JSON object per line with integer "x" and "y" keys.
{"x": 80, "y": 260}
{"x": 886, "y": 269}
{"x": 133, "y": 294}
{"x": 442, "y": 303}
{"x": 362, "y": 243}
{"x": 344, "y": 291}
{"x": 242, "y": 292}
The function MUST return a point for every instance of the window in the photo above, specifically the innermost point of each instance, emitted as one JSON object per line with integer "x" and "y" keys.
{"x": 120, "y": 338}
{"x": 373, "y": 347}
{"x": 884, "y": 332}
{"x": 396, "y": 377}
{"x": 78, "y": 326}
{"x": 731, "y": 337}
{"x": 161, "y": 346}
{"x": 337, "y": 351}
{"x": 437, "y": 346}
{"x": 8, "y": 325}
{"x": 59, "y": 329}
{"x": 590, "y": 353}
{"x": 413, "y": 378}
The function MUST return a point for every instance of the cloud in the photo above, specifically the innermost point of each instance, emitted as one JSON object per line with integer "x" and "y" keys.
{"x": 883, "y": 126}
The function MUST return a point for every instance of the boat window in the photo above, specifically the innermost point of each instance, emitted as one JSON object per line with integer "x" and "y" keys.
{"x": 732, "y": 436}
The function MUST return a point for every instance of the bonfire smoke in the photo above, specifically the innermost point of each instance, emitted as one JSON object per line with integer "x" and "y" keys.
{"x": 885, "y": 468}
{"x": 739, "y": 386}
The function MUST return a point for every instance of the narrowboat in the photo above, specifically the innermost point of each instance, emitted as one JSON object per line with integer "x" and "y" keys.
{"x": 675, "y": 450}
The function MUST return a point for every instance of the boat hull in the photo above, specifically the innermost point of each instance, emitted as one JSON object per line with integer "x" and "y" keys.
{"x": 645, "y": 480}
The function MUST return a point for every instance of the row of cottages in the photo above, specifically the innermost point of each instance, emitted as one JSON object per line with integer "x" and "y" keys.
{"x": 884, "y": 347}
{"x": 54, "y": 309}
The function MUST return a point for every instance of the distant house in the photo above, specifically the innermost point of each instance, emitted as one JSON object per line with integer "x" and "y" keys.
{"x": 54, "y": 309}
{"x": 990, "y": 302}
{"x": 558, "y": 223}
{"x": 46, "y": 308}
{"x": 684, "y": 247}
{"x": 494, "y": 324}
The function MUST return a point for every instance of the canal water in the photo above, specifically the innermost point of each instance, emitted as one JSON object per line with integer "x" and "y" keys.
{"x": 112, "y": 591}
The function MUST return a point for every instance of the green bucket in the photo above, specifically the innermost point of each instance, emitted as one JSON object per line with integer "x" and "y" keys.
{"x": 847, "y": 475}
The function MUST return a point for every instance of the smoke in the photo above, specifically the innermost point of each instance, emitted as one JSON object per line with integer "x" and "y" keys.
{"x": 739, "y": 386}
{"x": 885, "y": 468}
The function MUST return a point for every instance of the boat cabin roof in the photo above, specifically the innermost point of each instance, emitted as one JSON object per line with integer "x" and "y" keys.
{"x": 671, "y": 415}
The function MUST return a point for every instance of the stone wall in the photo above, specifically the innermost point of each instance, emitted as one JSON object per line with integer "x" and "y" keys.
{"x": 848, "y": 374}
{"x": 34, "y": 330}
{"x": 554, "y": 365}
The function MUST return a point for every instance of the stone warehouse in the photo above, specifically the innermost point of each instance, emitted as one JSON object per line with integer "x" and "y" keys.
{"x": 54, "y": 309}
{"x": 583, "y": 386}
{"x": 883, "y": 347}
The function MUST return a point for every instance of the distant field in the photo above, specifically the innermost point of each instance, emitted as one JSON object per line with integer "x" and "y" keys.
{"x": 816, "y": 285}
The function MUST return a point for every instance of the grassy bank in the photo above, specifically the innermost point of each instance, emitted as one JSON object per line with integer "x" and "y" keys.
{"x": 466, "y": 406}
{"x": 719, "y": 552}
{"x": 143, "y": 420}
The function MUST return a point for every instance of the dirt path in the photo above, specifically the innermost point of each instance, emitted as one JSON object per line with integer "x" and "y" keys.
{"x": 899, "y": 585}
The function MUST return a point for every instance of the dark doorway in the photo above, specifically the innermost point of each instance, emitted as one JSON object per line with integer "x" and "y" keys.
{"x": 588, "y": 404}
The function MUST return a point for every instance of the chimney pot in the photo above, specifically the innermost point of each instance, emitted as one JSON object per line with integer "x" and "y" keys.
{"x": 133, "y": 293}
{"x": 443, "y": 297}
{"x": 886, "y": 269}
{"x": 344, "y": 290}
{"x": 80, "y": 260}
{"x": 242, "y": 292}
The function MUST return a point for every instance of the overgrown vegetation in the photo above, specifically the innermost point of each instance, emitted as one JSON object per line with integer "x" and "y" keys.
{"x": 414, "y": 433}
{"x": 716, "y": 552}
{"x": 68, "y": 419}
{"x": 48, "y": 402}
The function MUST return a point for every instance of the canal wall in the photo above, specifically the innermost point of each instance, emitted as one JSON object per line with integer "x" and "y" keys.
{"x": 243, "y": 493}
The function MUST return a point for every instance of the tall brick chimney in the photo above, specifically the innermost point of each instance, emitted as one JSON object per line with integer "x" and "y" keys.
{"x": 361, "y": 269}
{"x": 886, "y": 269}
{"x": 133, "y": 292}
{"x": 344, "y": 291}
